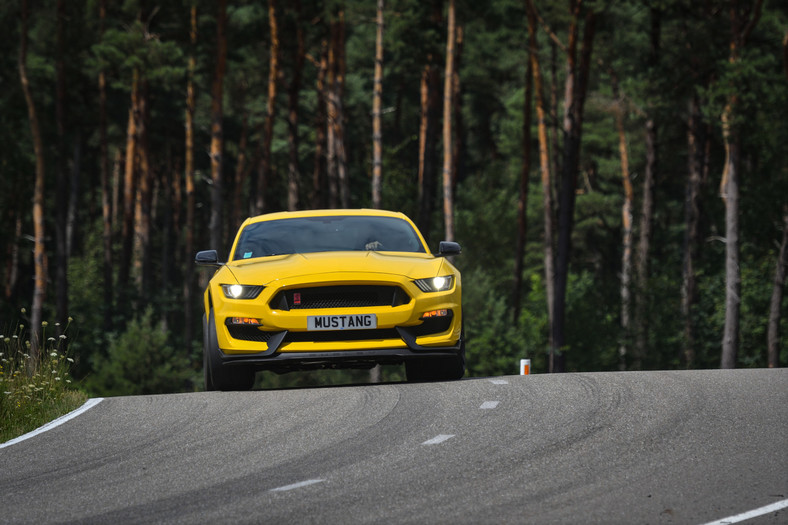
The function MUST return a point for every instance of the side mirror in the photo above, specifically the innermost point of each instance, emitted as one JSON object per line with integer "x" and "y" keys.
{"x": 448, "y": 249}
{"x": 207, "y": 258}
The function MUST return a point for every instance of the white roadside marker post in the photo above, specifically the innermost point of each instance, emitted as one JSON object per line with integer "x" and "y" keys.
{"x": 525, "y": 367}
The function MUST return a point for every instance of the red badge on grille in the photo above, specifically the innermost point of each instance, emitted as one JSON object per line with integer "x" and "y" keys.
{"x": 296, "y": 298}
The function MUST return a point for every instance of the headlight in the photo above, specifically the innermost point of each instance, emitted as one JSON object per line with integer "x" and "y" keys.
{"x": 435, "y": 284}
{"x": 241, "y": 291}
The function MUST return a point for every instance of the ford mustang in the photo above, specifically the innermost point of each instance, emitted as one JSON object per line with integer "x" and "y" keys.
{"x": 331, "y": 289}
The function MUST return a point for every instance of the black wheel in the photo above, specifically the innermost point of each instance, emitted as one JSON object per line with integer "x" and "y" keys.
{"x": 218, "y": 376}
{"x": 448, "y": 368}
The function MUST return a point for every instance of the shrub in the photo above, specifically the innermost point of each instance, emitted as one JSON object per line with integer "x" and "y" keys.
{"x": 34, "y": 390}
{"x": 141, "y": 361}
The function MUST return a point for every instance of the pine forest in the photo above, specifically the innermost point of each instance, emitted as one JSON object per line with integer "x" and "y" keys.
{"x": 616, "y": 172}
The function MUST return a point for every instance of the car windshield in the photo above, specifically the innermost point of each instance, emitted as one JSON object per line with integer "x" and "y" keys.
{"x": 327, "y": 234}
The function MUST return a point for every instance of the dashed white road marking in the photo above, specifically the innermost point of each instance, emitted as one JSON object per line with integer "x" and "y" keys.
{"x": 90, "y": 403}
{"x": 499, "y": 381}
{"x": 774, "y": 507}
{"x": 297, "y": 485}
{"x": 489, "y": 405}
{"x": 440, "y": 438}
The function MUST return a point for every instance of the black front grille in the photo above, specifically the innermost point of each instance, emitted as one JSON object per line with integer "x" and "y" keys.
{"x": 248, "y": 333}
{"x": 323, "y": 297}
{"x": 435, "y": 325}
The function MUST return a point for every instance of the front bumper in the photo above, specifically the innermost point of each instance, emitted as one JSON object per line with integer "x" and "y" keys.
{"x": 289, "y": 361}
{"x": 283, "y": 335}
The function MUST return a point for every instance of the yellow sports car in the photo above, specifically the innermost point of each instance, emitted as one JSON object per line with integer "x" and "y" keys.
{"x": 331, "y": 289}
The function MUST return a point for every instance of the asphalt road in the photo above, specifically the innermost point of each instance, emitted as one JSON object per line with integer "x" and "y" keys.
{"x": 653, "y": 447}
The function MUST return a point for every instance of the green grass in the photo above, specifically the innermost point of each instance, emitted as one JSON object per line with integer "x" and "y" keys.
{"x": 34, "y": 390}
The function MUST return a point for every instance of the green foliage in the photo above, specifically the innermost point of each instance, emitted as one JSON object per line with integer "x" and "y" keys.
{"x": 144, "y": 348}
{"x": 141, "y": 361}
{"x": 34, "y": 389}
{"x": 495, "y": 343}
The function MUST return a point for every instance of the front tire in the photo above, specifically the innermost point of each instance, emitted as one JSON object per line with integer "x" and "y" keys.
{"x": 449, "y": 368}
{"x": 217, "y": 375}
{"x": 435, "y": 369}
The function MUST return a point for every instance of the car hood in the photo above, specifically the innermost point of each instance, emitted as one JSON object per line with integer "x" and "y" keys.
{"x": 268, "y": 269}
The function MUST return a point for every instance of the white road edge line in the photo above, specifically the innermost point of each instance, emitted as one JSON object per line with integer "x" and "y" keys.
{"x": 440, "y": 438}
{"x": 499, "y": 381}
{"x": 489, "y": 405}
{"x": 751, "y": 513}
{"x": 297, "y": 485}
{"x": 90, "y": 403}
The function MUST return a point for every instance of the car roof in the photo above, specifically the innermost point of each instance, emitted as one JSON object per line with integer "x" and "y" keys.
{"x": 362, "y": 212}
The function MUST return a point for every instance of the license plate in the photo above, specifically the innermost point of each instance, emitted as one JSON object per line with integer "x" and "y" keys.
{"x": 342, "y": 322}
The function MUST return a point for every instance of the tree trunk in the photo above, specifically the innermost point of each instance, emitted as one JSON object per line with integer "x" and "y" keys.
{"x": 106, "y": 190}
{"x": 428, "y": 127}
{"x": 339, "y": 122}
{"x": 626, "y": 231}
{"x": 217, "y": 139}
{"x": 544, "y": 167}
{"x": 319, "y": 175}
{"x": 241, "y": 170}
{"x": 168, "y": 254}
{"x": 12, "y": 261}
{"x": 448, "y": 169}
{"x": 525, "y": 170}
{"x": 689, "y": 287}
{"x": 574, "y": 100}
{"x": 61, "y": 196}
{"x": 741, "y": 26}
{"x": 640, "y": 327}
{"x": 293, "y": 176}
{"x": 265, "y": 173}
{"x": 773, "y": 333}
{"x": 75, "y": 190}
{"x": 39, "y": 254}
{"x": 188, "y": 284}
{"x": 730, "y": 194}
{"x": 647, "y": 207}
{"x": 555, "y": 127}
{"x": 338, "y": 185}
{"x": 130, "y": 183}
{"x": 458, "y": 124}
{"x": 332, "y": 114}
{"x": 430, "y": 92}
{"x": 377, "y": 137}
{"x": 143, "y": 209}
{"x": 118, "y": 164}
